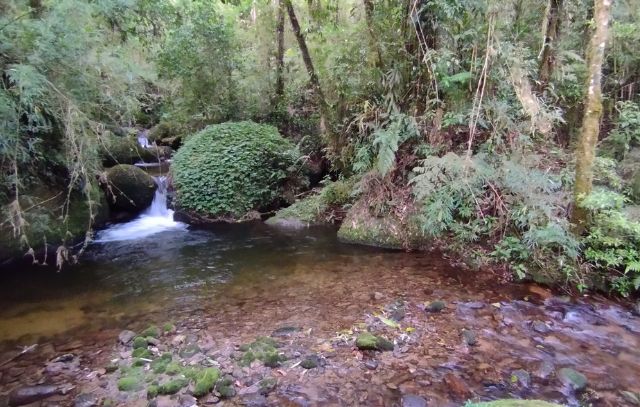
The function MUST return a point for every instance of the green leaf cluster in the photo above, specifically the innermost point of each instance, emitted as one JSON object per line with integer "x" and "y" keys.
{"x": 229, "y": 169}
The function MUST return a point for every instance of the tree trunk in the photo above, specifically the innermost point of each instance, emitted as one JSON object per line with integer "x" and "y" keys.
{"x": 368, "y": 12}
{"x": 280, "y": 54}
{"x": 547, "y": 57}
{"x": 313, "y": 77}
{"x": 586, "y": 147}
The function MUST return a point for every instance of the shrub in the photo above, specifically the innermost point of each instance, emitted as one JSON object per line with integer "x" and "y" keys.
{"x": 229, "y": 169}
{"x": 613, "y": 242}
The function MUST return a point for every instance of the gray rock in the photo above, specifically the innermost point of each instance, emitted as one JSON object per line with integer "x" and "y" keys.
{"x": 411, "y": 400}
{"x": 186, "y": 400}
{"x": 126, "y": 336}
{"x": 30, "y": 394}
{"x": 86, "y": 400}
{"x": 435, "y": 306}
{"x": 285, "y": 331}
{"x": 475, "y": 305}
{"x": 540, "y": 327}
{"x": 371, "y": 364}
{"x": 545, "y": 370}
{"x": 572, "y": 378}
{"x": 67, "y": 357}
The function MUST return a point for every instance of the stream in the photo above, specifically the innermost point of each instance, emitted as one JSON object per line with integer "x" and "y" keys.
{"x": 225, "y": 286}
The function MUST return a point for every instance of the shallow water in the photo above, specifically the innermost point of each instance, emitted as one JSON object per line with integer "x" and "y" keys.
{"x": 234, "y": 283}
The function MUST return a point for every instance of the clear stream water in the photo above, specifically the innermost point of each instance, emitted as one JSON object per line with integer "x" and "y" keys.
{"x": 238, "y": 281}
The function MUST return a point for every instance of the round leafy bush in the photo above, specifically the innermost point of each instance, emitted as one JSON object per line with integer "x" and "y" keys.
{"x": 229, "y": 169}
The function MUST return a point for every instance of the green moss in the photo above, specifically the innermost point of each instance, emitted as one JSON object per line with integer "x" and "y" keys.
{"x": 316, "y": 208}
{"x": 368, "y": 341}
{"x": 229, "y": 169}
{"x": 142, "y": 353}
{"x": 138, "y": 362}
{"x": 189, "y": 350}
{"x": 112, "y": 367}
{"x": 173, "y": 386}
{"x": 108, "y": 403}
{"x": 173, "y": 369}
{"x": 310, "y": 362}
{"x": 151, "y": 331}
{"x": 129, "y": 383}
{"x": 267, "y": 385}
{"x": 160, "y": 365}
{"x": 168, "y": 327}
{"x": 263, "y": 349}
{"x": 152, "y": 391}
{"x": 129, "y": 188}
{"x": 225, "y": 387}
{"x": 139, "y": 342}
{"x": 362, "y": 226}
{"x": 206, "y": 381}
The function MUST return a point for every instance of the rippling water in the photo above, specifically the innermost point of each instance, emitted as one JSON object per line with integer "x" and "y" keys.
{"x": 239, "y": 281}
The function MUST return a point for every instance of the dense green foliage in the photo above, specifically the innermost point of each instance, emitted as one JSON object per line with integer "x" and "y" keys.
{"x": 449, "y": 120}
{"x": 232, "y": 168}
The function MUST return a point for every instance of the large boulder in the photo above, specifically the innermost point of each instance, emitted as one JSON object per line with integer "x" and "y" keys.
{"x": 126, "y": 150}
{"x": 229, "y": 170}
{"x": 363, "y": 226}
{"x": 129, "y": 188}
{"x": 51, "y": 221}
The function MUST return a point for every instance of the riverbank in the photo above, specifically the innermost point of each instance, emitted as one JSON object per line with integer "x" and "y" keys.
{"x": 313, "y": 296}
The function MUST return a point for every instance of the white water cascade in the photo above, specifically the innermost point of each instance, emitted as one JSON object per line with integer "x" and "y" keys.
{"x": 155, "y": 219}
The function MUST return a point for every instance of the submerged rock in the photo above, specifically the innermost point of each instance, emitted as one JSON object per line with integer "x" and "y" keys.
{"x": 411, "y": 400}
{"x": 514, "y": 403}
{"x": 126, "y": 336}
{"x": 522, "y": 377}
{"x": 469, "y": 337}
{"x": 572, "y": 378}
{"x": 368, "y": 341}
{"x": 435, "y": 306}
{"x": 31, "y": 394}
{"x": 86, "y": 400}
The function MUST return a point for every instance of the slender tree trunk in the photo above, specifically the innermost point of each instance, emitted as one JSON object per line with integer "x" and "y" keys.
{"x": 547, "y": 56}
{"x": 586, "y": 147}
{"x": 368, "y": 11}
{"x": 308, "y": 63}
{"x": 280, "y": 53}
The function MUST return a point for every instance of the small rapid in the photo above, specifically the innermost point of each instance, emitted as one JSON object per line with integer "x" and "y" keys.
{"x": 155, "y": 219}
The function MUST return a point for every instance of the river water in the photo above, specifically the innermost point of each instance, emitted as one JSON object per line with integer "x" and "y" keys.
{"x": 233, "y": 283}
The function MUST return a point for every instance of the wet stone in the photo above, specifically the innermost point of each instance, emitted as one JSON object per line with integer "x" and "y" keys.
{"x": 469, "y": 337}
{"x": 30, "y": 394}
{"x": 126, "y": 336}
{"x": 545, "y": 370}
{"x": 86, "y": 400}
{"x": 186, "y": 400}
{"x": 371, "y": 364}
{"x": 67, "y": 357}
{"x": 285, "y": 331}
{"x": 411, "y": 400}
{"x": 521, "y": 377}
{"x": 572, "y": 378}
{"x": 540, "y": 327}
{"x": 435, "y": 306}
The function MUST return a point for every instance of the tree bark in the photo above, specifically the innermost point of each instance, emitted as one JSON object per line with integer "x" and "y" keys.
{"x": 308, "y": 63}
{"x": 586, "y": 147}
{"x": 368, "y": 12}
{"x": 547, "y": 59}
{"x": 280, "y": 53}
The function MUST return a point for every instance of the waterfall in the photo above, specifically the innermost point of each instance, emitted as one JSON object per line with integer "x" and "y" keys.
{"x": 155, "y": 219}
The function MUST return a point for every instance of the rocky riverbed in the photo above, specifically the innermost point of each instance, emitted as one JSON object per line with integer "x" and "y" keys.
{"x": 346, "y": 328}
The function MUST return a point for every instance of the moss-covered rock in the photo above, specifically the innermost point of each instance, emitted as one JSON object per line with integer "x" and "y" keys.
{"x": 362, "y": 226}
{"x": 205, "y": 381}
{"x": 368, "y": 341}
{"x": 513, "y": 403}
{"x": 263, "y": 349}
{"x": 230, "y": 169}
{"x": 50, "y": 221}
{"x": 139, "y": 342}
{"x": 142, "y": 352}
{"x": 129, "y": 188}
{"x": 172, "y": 386}
{"x": 328, "y": 205}
{"x": 129, "y": 383}
{"x": 151, "y": 331}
